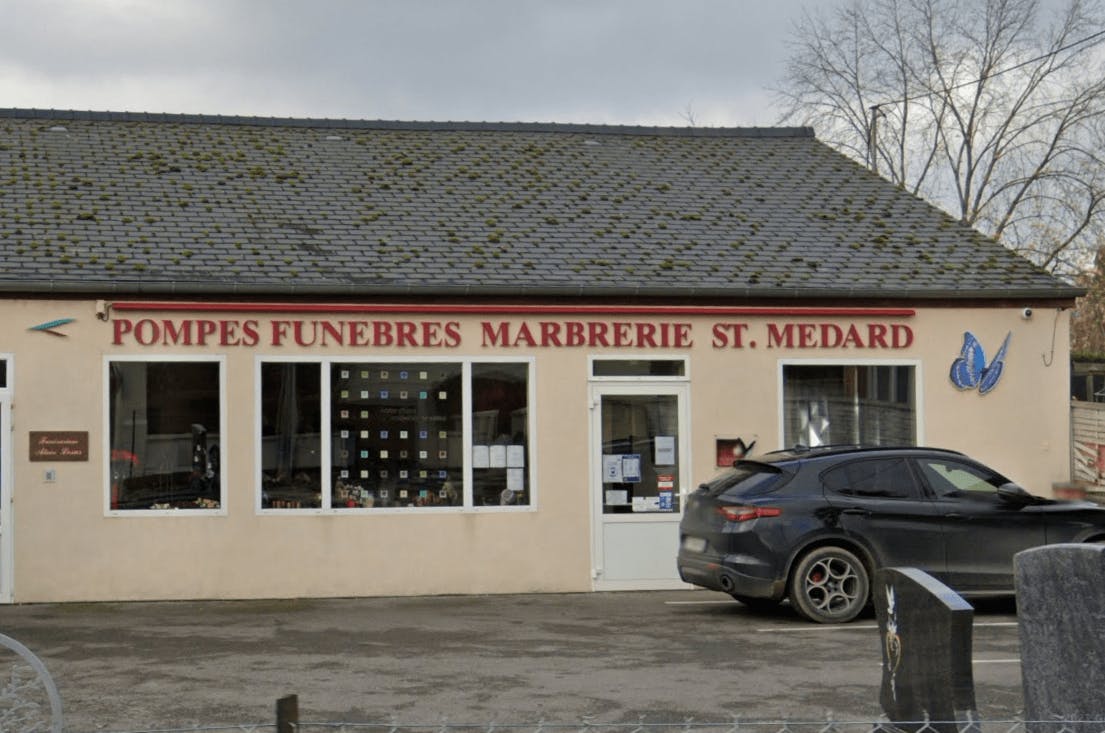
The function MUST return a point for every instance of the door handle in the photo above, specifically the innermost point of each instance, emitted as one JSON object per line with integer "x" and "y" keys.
{"x": 857, "y": 512}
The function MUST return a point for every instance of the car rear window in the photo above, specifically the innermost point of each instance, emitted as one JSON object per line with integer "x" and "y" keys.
{"x": 746, "y": 477}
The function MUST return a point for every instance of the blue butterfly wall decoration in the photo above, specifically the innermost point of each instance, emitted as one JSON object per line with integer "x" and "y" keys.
{"x": 970, "y": 369}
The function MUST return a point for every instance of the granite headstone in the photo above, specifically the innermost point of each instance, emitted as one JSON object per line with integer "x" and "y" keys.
{"x": 1061, "y": 615}
{"x": 925, "y": 629}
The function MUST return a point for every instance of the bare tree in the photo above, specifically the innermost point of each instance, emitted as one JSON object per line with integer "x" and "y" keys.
{"x": 992, "y": 109}
{"x": 688, "y": 114}
{"x": 1087, "y": 327}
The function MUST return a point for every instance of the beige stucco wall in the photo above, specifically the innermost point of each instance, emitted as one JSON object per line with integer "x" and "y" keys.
{"x": 66, "y": 547}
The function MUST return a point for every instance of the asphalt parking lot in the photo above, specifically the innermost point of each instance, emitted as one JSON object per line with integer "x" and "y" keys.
{"x": 616, "y": 657}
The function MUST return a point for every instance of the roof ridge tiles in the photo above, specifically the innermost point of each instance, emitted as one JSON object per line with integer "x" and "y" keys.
{"x": 416, "y": 126}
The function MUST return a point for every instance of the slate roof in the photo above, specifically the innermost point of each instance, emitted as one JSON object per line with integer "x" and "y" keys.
{"x": 122, "y": 203}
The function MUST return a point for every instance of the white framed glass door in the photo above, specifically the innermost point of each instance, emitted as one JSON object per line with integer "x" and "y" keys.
{"x": 639, "y": 476}
{"x": 6, "y": 544}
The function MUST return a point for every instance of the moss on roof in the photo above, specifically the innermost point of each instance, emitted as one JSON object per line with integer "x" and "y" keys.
{"x": 140, "y": 203}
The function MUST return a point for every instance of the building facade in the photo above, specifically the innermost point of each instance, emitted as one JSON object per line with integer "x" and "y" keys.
{"x": 248, "y": 358}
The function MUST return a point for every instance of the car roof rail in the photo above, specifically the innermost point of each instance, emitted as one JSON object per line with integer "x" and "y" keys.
{"x": 826, "y": 447}
{"x": 837, "y": 448}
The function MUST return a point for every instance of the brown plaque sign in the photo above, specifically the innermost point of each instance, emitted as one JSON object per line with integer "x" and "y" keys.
{"x": 58, "y": 445}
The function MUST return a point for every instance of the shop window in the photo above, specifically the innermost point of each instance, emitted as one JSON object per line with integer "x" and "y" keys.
{"x": 164, "y": 437}
{"x": 849, "y": 404}
{"x": 392, "y": 435}
{"x": 291, "y": 436}
{"x": 396, "y": 435}
{"x": 500, "y": 429}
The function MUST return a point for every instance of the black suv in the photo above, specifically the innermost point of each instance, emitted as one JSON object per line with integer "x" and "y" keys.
{"x": 811, "y": 525}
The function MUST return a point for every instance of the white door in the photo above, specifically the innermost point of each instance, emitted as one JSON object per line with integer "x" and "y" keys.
{"x": 6, "y": 553}
{"x": 639, "y": 475}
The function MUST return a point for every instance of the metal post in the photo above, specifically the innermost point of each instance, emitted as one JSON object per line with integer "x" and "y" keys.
{"x": 287, "y": 714}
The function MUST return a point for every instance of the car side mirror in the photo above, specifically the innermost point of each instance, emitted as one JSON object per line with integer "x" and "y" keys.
{"x": 1015, "y": 494}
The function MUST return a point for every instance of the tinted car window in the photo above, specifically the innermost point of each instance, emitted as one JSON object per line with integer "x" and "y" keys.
{"x": 746, "y": 477}
{"x": 952, "y": 478}
{"x": 885, "y": 478}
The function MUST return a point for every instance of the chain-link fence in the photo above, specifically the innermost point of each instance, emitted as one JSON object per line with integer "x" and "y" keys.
{"x": 29, "y": 703}
{"x": 736, "y": 725}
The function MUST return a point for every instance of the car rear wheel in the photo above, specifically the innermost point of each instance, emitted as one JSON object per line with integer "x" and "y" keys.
{"x": 829, "y": 585}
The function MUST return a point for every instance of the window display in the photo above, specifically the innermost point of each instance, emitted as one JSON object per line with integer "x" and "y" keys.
{"x": 291, "y": 436}
{"x": 500, "y": 427}
{"x": 826, "y": 404}
{"x": 165, "y": 418}
{"x": 395, "y": 435}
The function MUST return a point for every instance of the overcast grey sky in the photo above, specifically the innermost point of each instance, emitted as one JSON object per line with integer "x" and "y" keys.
{"x": 601, "y": 61}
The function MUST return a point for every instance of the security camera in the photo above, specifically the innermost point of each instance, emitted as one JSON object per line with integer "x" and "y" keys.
{"x": 1026, "y": 313}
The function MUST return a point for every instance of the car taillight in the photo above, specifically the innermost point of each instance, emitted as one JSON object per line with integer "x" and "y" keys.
{"x": 745, "y": 513}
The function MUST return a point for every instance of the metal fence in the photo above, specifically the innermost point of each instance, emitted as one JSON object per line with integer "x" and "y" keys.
{"x": 736, "y": 725}
{"x": 733, "y": 726}
{"x": 29, "y": 703}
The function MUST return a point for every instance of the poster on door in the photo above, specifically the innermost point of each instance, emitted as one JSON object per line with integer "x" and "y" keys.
{"x": 665, "y": 450}
{"x": 621, "y": 468}
{"x": 665, "y": 487}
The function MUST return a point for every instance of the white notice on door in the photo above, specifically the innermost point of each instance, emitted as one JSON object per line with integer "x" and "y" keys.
{"x": 631, "y": 468}
{"x": 665, "y": 450}
{"x": 611, "y": 469}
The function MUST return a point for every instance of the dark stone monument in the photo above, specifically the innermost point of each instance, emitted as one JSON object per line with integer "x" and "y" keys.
{"x": 1061, "y": 615}
{"x": 925, "y": 629}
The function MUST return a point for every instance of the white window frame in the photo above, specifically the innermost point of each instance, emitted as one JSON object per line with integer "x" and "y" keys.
{"x": 325, "y": 446}
{"x": 685, "y": 377}
{"x": 224, "y": 453}
{"x": 918, "y": 387}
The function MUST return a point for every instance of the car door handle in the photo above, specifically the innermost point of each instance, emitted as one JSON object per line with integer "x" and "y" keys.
{"x": 955, "y": 515}
{"x": 857, "y": 512}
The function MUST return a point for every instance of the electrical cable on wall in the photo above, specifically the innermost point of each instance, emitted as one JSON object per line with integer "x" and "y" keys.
{"x": 1050, "y": 357}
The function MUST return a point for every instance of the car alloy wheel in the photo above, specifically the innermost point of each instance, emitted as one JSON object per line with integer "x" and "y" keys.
{"x": 829, "y": 585}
